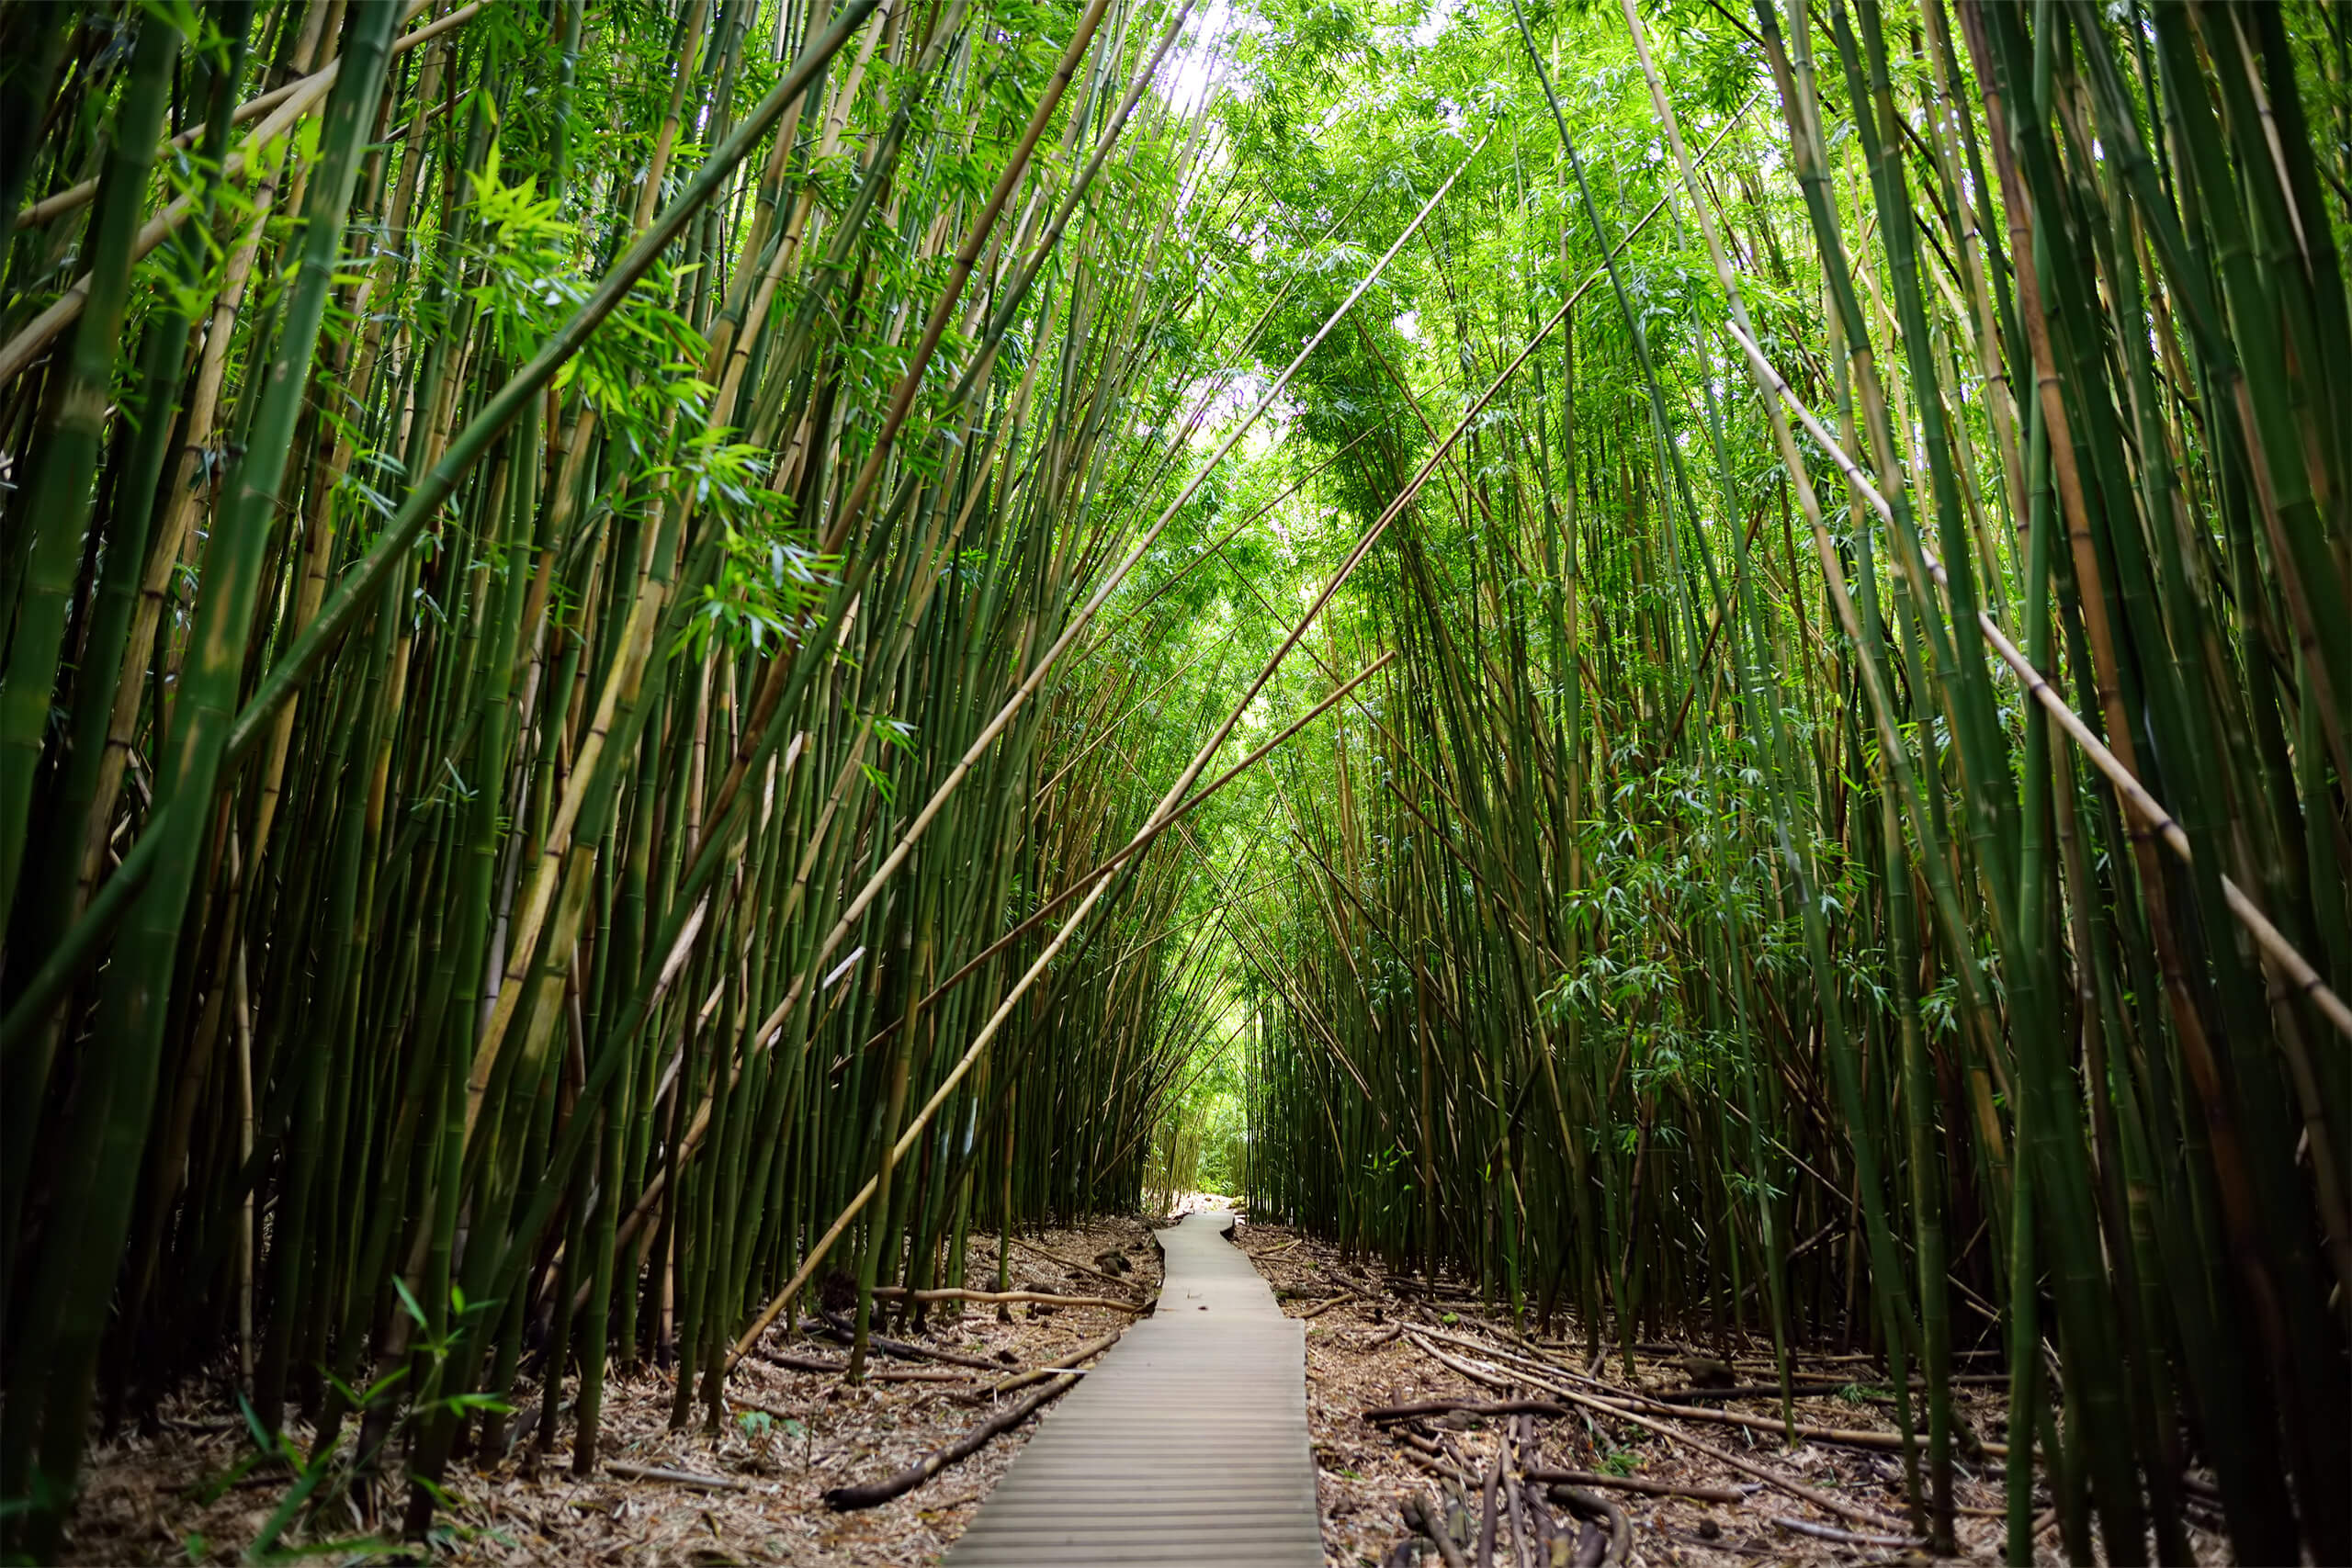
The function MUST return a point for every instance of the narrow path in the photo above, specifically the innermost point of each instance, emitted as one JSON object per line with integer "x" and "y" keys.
{"x": 1187, "y": 1444}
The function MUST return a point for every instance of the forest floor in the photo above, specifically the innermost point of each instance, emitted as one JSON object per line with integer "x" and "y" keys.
{"x": 1376, "y": 1341}
{"x": 157, "y": 1496}
{"x": 150, "y": 1495}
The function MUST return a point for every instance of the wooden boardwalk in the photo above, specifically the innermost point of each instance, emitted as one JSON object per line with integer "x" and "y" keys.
{"x": 1187, "y": 1444}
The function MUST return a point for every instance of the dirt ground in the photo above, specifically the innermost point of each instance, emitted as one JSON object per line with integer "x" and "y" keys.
{"x": 794, "y": 1434}
{"x": 1371, "y": 1343}
{"x": 755, "y": 1495}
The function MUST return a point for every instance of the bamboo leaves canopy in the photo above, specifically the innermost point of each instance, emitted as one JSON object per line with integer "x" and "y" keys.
{"x": 1856, "y": 844}
{"x": 616, "y": 611}
{"x": 494, "y": 568}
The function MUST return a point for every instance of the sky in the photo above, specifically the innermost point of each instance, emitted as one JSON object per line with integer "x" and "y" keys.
{"x": 1193, "y": 67}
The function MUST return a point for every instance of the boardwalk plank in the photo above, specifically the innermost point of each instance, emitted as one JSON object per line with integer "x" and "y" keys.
{"x": 1186, "y": 1443}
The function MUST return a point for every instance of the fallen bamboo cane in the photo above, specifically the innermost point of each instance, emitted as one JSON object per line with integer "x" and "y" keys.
{"x": 841, "y": 1334}
{"x": 1848, "y": 1538}
{"x": 1635, "y": 1484}
{"x": 1064, "y": 1362}
{"x": 1818, "y": 1498}
{"x": 1623, "y": 1400}
{"x": 1467, "y": 1407}
{"x": 1042, "y": 1298}
{"x": 1421, "y": 1514}
{"x": 844, "y": 1499}
{"x": 1068, "y": 1262}
{"x": 1598, "y": 1509}
{"x": 694, "y": 1479}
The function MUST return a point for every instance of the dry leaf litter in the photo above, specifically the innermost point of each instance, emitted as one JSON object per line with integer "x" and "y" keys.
{"x": 1359, "y": 1358}
{"x": 796, "y": 1433}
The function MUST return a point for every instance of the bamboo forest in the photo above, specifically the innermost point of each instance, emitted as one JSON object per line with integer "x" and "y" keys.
{"x": 681, "y": 680}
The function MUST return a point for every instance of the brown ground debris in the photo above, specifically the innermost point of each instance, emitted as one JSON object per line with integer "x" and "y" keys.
{"x": 1358, "y": 1357}
{"x": 796, "y": 1433}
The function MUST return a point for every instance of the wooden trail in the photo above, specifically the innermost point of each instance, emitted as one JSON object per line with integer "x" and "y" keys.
{"x": 1187, "y": 1443}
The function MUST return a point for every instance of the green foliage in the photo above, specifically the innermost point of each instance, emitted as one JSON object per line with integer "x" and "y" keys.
{"x": 589, "y": 749}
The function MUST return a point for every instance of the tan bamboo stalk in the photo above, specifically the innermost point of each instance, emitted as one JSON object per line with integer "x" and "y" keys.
{"x": 2126, "y": 782}
{"x": 1159, "y": 819}
{"x": 1079, "y": 621}
{"x": 2326, "y": 1175}
{"x": 179, "y": 501}
{"x": 902, "y": 400}
{"x": 36, "y": 334}
{"x": 326, "y": 475}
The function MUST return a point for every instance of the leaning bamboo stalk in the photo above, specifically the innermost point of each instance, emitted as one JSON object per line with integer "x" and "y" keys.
{"x": 972, "y": 1054}
{"x": 354, "y": 593}
{"x": 307, "y": 88}
{"x": 967, "y": 256}
{"x": 72, "y": 422}
{"x": 298, "y": 99}
{"x": 2325, "y": 1169}
{"x": 776, "y": 1020}
{"x": 94, "y": 1214}
{"x": 1079, "y": 621}
{"x": 1127, "y": 852}
{"x": 991, "y": 1298}
{"x": 2127, "y": 785}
